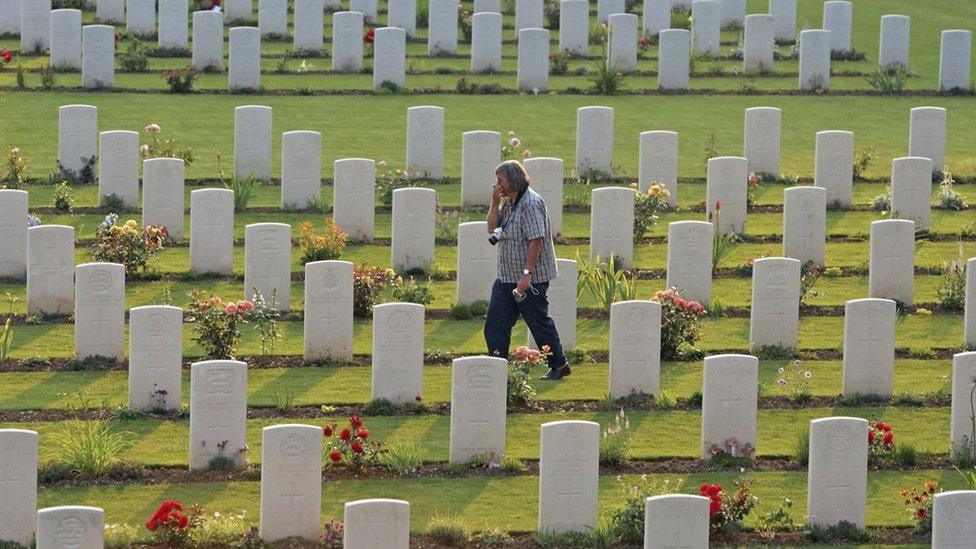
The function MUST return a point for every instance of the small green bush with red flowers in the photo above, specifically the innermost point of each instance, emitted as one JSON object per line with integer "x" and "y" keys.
{"x": 727, "y": 511}
{"x": 351, "y": 445}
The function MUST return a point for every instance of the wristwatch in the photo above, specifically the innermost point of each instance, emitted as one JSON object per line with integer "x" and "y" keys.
{"x": 526, "y": 272}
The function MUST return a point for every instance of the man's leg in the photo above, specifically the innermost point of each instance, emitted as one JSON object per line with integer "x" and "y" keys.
{"x": 535, "y": 311}
{"x": 500, "y": 319}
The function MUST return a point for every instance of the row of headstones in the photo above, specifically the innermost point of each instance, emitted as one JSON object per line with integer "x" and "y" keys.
{"x": 78, "y": 141}
{"x": 291, "y": 478}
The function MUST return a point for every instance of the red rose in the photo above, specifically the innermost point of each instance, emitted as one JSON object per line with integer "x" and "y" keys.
{"x": 921, "y": 514}
{"x": 362, "y": 433}
{"x": 714, "y": 508}
{"x": 718, "y": 205}
{"x": 346, "y": 434}
{"x": 6, "y": 55}
{"x": 369, "y": 36}
{"x": 357, "y": 447}
{"x": 328, "y": 430}
{"x": 870, "y": 436}
{"x": 356, "y": 421}
{"x": 889, "y": 437}
{"x": 335, "y": 456}
{"x": 882, "y": 426}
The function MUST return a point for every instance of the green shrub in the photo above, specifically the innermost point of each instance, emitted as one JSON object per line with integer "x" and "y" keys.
{"x": 403, "y": 457}
{"x": 905, "y": 455}
{"x": 181, "y": 80}
{"x": 493, "y": 537}
{"x": 461, "y": 311}
{"x": 135, "y": 58}
{"x": 120, "y": 536}
{"x": 801, "y": 447}
{"x": 952, "y": 287}
{"x": 243, "y": 190}
{"x": 843, "y": 530}
{"x": 888, "y": 81}
{"x": 513, "y": 465}
{"x": 605, "y": 281}
{"x": 948, "y": 198}
{"x": 89, "y": 448}
{"x": 63, "y": 201}
{"x": 607, "y": 79}
{"x": 615, "y": 441}
{"x": 862, "y": 160}
{"x": 448, "y": 530}
{"x": 319, "y": 248}
{"x": 408, "y": 291}
{"x": 627, "y": 520}
{"x": 112, "y": 203}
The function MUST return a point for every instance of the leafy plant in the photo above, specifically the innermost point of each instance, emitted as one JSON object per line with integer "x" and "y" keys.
{"x": 795, "y": 380}
{"x": 679, "y": 322}
{"x": 127, "y": 245}
{"x": 810, "y": 273}
{"x": 164, "y": 148}
{"x": 605, "y": 282}
{"x": 403, "y": 457}
{"x": 448, "y": 530}
{"x": 881, "y": 442}
{"x": 559, "y": 61}
{"x": 48, "y": 80}
{"x": 843, "y": 530}
{"x": 615, "y": 441}
{"x": 181, "y": 80}
{"x": 888, "y": 81}
{"x": 647, "y": 207}
{"x": 627, "y": 520}
{"x": 7, "y": 334}
{"x": 324, "y": 247}
{"x": 519, "y": 390}
{"x": 727, "y": 512}
{"x": 368, "y": 283}
{"x": 952, "y": 287}
{"x": 388, "y": 181}
{"x": 264, "y": 316}
{"x": 14, "y": 168}
{"x": 882, "y": 202}
{"x": 112, "y": 203}
{"x": 89, "y": 448}
{"x": 351, "y": 445}
{"x": 722, "y": 243}
{"x": 135, "y": 58}
{"x": 216, "y": 324}
{"x": 862, "y": 161}
{"x": 948, "y": 198}
{"x": 801, "y": 447}
{"x": 63, "y": 200}
{"x": 778, "y": 519}
{"x": 607, "y": 79}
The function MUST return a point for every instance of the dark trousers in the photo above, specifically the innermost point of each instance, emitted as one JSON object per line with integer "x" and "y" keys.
{"x": 503, "y": 311}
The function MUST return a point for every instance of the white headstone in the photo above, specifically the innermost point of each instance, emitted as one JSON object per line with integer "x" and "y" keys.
{"x": 273, "y": 17}
{"x": 676, "y": 521}
{"x": 562, "y": 304}
{"x": 927, "y": 131}
{"x": 961, "y": 426}
{"x": 376, "y": 524}
{"x": 805, "y": 224}
{"x": 110, "y": 11}
{"x": 814, "y": 60}
{"x": 13, "y": 233}
{"x": 66, "y": 38}
{"x": 895, "y": 33}
{"x": 100, "y": 310}
{"x": 267, "y": 262}
{"x": 365, "y": 7}
{"x": 77, "y": 135}
{"x": 775, "y": 308}
{"x": 442, "y": 29}
{"x": 759, "y": 44}
{"x": 162, "y": 194}
{"x": 528, "y": 15}
{"x": 398, "y": 352}
{"x": 97, "y": 56}
{"x": 18, "y": 461}
{"x": 155, "y": 357}
{"x": 675, "y": 58}
{"x": 301, "y": 168}
{"x": 412, "y": 244}
{"x": 481, "y": 152}
{"x": 623, "y": 41}
{"x": 574, "y": 26}
{"x": 706, "y": 30}
{"x": 569, "y": 476}
{"x": 546, "y": 175}
{"x": 690, "y": 259}
{"x": 50, "y": 269}
{"x": 238, "y": 10}
{"x": 659, "y": 162}
{"x": 533, "y": 60}
{"x": 834, "y": 166}
{"x": 953, "y": 519}
{"x": 657, "y": 16}
{"x": 252, "y": 142}
{"x": 403, "y": 14}
{"x": 635, "y": 348}
{"x": 594, "y": 140}
{"x": 35, "y": 25}
{"x": 838, "y": 16}
{"x": 354, "y": 192}
{"x": 212, "y": 231}
{"x": 218, "y": 412}
{"x": 729, "y": 404}
{"x": 954, "y": 60}
{"x": 208, "y": 40}
{"x": 733, "y": 14}
{"x": 486, "y": 42}
{"x": 612, "y": 225}
{"x": 309, "y": 20}
{"x": 244, "y": 59}
{"x": 785, "y": 13}
{"x": 10, "y": 16}
{"x": 726, "y": 186}
{"x": 140, "y": 17}
{"x": 869, "y": 346}
{"x": 118, "y": 166}
{"x": 347, "y": 41}
{"x": 478, "y": 408}
{"x": 762, "y": 139}
{"x": 328, "y": 310}
{"x": 911, "y": 190}
{"x": 389, "y": 56}
{"x": 837, "y": 476}
{"x": 425, "y": 141}
{"x": 291, "y": 482}
{"x": 892, "y": 261}
{"x": 487, "y": 6}
{"x": 74, "y": 526}
{"x": 606, "y": 8}
{"x": 970, "y": 308}
{"x": 173, "y": 24}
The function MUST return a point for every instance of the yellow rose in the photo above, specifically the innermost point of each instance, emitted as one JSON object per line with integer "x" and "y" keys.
{"x": 655, "y": 190}
{"x": 116, "y": 229}
{"x": 130, "y": 223}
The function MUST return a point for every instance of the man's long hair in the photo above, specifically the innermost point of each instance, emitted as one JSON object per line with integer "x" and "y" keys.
{"x": 514, "y": 173}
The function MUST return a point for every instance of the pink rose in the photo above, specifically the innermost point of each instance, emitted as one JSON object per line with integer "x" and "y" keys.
{"x": 231, "y": 309}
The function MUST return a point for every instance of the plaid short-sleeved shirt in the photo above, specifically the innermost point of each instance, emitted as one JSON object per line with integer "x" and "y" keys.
{"x": 528, "y": 222}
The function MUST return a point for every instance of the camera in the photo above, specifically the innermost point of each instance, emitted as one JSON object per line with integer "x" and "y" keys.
{"x": 496, "y": 235}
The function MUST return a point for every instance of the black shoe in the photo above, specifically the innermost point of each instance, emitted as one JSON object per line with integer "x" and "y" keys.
{"x": 558, "y": 373}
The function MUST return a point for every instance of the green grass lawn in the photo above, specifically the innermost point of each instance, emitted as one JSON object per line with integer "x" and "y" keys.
{"x": 351, "y": 384}
{"x": 465, "y": 336}
{"x": 654, "y": 434}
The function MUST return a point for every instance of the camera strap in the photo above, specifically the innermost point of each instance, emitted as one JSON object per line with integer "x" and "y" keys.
{"x": 511, "y": 210}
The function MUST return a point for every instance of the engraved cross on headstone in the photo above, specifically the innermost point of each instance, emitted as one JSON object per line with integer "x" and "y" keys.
{"x": 730, "y": 404}
{"x": 676, "y": 543}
